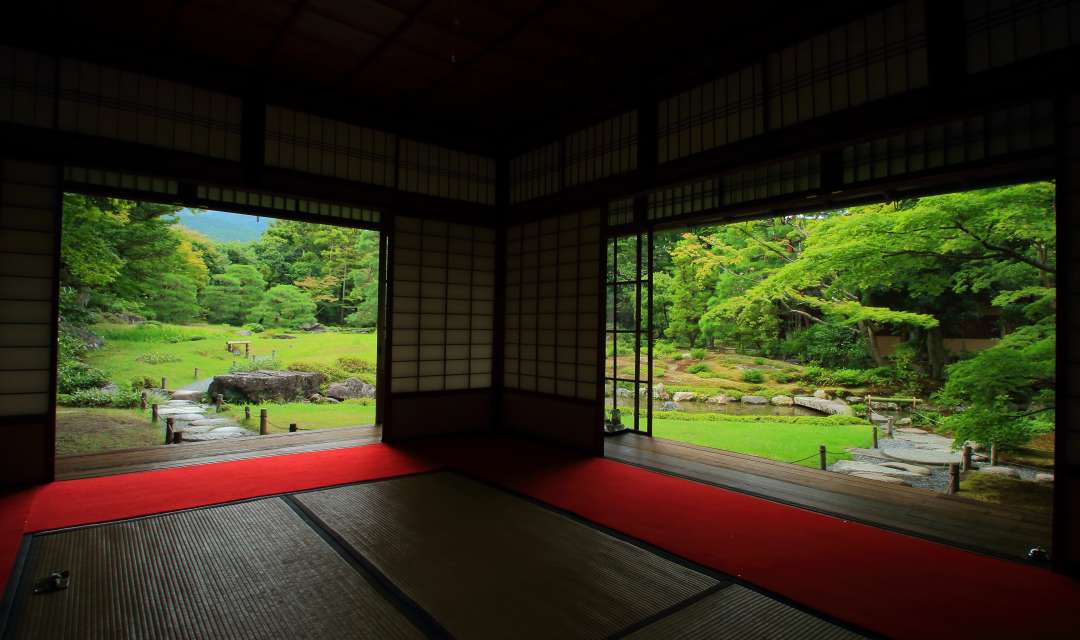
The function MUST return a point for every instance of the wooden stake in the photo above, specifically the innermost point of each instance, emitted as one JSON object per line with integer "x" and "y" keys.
{"x": 142, "y": 401}
{"x": 177, "y": 437}
{"x": 954, "y": 478}
{"x": 966, "y": 458}
{"x": 263, "y": 422}
{"x": 168, "y": 430}
{"x": 154, "y": 413}
{"x": 247, "y": 412}
{"x": 292, "y": 428}
{"x": 889, "y": 425}
{"x": 163, "y": 382}
{"x": 218, "y": 401}
{"x": 993, "y": 454}
{"x": 875, "y": 436}
{"x": 196, "y": 373}
{"x": 821, "y": 457}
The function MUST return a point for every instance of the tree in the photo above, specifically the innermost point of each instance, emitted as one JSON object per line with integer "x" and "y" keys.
{"x": 175, "y": 299}
{"x": 284, "y": 305}
{"x": 233, "y": 295}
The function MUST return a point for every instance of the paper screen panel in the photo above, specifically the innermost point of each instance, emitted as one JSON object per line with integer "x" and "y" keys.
{"x": 437, "y": 171}
{"x": 29, "y": 199}
{"x": 27, "y": 87}
{"x": 103, "y": 101}
{"x": 313, "y": 144}
{"x": 1001, "y": 32}
{"x": 552, "y": 306}
{"x": 443, "y": 306}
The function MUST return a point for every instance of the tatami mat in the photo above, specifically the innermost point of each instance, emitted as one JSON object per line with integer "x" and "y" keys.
{"x": 487, "y": 564}
{"x": 247, "y": 570}
{"x": 738, "y": 613}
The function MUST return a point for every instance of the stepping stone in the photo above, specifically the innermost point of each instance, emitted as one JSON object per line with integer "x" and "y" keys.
{"x": 910, "y": 468}
{"x": 187, "y": 417}
{"x": 221, "y": 433}
{"x": 880, "y": 477}
{"x": 1006, "y": 472}
{"x": 213, "y": 422}
{"x": 922, "y": 456}
{"x": 913, "y": 430}
{"x": 854, "y": 466}
{"x": 1044, "y": 477}
{"x": 869, "y": 453}
{"x": 187, "y": 394}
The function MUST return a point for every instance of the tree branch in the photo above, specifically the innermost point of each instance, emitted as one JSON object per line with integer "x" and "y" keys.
{"x": 1015, "y": 255}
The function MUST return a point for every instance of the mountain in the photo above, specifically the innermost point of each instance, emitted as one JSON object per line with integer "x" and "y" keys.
{"x": 223, "y": 226}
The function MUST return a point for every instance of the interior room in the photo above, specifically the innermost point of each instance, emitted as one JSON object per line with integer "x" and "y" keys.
{"x": 595, "y": 319}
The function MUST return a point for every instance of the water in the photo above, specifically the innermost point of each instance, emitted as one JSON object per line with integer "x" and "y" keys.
{"x": 731, "y": 408}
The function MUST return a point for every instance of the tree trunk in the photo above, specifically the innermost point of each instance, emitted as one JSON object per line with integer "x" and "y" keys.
{"x": 935, "y": 352}
{"x": 871, "y": 343}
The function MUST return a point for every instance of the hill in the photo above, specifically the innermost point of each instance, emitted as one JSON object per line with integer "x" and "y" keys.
{"x": 223, "y": 226}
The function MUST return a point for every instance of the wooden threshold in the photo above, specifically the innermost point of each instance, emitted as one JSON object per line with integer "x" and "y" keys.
{"x": 193, "y": 453}
{"x": 978, "y": 526}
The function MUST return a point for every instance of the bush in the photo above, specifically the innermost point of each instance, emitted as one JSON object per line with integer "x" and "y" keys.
{"x": 355, "y": 365}
{"x": 828, "y": 345}
{"x": 847, "y": 377}
{"x": 753, "y": 376}
{"x": 120, "y": 399}
{"x": 158, "y": 358}
{"x": 759, "y": 360}
{"x": 663, "y": 348}
{"x": 150, "y": 332}
{"x": 255, "y": 364}
{"x": 677, "y": 357}
{"x": 723, "y": 417}
{"x": 697, "y": 354}
{"x": 785, "y": 377}
{"x": 699, "y": 367}
{"x": 72, "y": 376}
{"x": 254, "y": 327}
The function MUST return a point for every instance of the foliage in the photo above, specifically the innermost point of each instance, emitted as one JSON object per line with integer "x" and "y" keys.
{"x": 254, "y": 364}
{"x": 233, "y": 295}
{"x": 73, "y": 376}
{"x": 828, "y": 345}
{"x": 149, "y": 332}
{"x": 753, "y": 376}
{"x": 254, "y": 327}
{"x": 284, "y": 305}
{"x": 330, "y": 372}
{"x": 119, "y": 399}
{"x": 722, "y": 417}
{"x": 847, "y": 377}
{"x": 698, "y": 368}
{"x": 353, "y": 364}
{"x": 175, "y": 299}
{"x": 697, "y": 354}
{"x": 152, "y": 357}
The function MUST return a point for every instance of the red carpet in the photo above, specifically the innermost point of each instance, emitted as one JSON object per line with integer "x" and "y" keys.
{"x": 888, "y": 583}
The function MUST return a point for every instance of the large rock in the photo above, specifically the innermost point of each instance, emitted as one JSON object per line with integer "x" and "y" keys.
{"x": 684, "y": 396}
{"x": 187, "y": 394}
{"x": 659, "y": 393}
{"x": 830, "y": 407}
{"x": 821, "y": 394}
{"x": 720, "y": 399}
{"x": 353, "y": 388}
{"x": 854, "y": 466}
{"x": 782, "y": 401}
{"x": 755, "y": 400}
{"x": 265, "y": 386}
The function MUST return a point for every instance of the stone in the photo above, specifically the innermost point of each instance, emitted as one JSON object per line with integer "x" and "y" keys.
{"x": 220, "y": 433}
{"x": 283, "y": 336}
{"x": 922, "y": 456}
{"x": 830, "y": 407}
{"x": 912, "y": 430}
{"x": 212, "y": 422}
{"x": 880, "y": 477}
{"x": 1044, "y": 477}
{"x": 754, "y": 400}
{"x": 660, "y": 393}
{"x": 187, "y": 417}
{"x": 313, "y": 328}
{"x": 668, "y": 406}
{"x": 326, "y": 400}
{"x": 353, "y": 388}
{"x": 821, "y": 394}
{"x": 903, "y": 422}
{"x": 266, "y": 385}
{"x": 854, "y": 466}
{"x": 720, "y": 399}
{"x": 888, "y": 406}
{"x": 853, "y": 399}
{"x": 1005, "y": 472}
{"x": 782, "y": 401}
{"x": 243, "y": 332}
{"x": 623, "y": 392}
{"x": 187, "y": 394}
{"x": 684, "y": 396}
{"x": 112, "y": 387}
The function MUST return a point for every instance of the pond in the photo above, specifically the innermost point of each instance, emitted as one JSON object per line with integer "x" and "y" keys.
{"x": 731, "y": 408}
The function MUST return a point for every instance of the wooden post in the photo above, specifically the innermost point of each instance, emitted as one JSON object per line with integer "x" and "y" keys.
{"x": 247, "y": 412}
{"x": 869, "y": 410}
{"x": 292, "y": 428}
{"x": 821, "y": 457}
{"x": 889, "y": 425}
{"x": 168, "y": 430}
{"x": 993, "y": 454}
{"x": 875, "y": 436}
{"x": 218, "y": 401}
{"x": 966, "y": 458}
{"x": 177, "y": 437}
{"x": 247, "y": 348}
{"x": 273, "y": 354}
{"x": 154, "y": 413}
{"x": 196, "y": 373}
{"x": 162, "y": 382}
{"x": 263, "y": 422}
{"x": 954, "y": 478}
{"x": 142, "y": 401}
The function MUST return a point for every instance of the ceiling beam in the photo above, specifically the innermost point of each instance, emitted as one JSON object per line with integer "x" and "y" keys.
{"x": 410, "y": 18}
{"x": 266, "y": 57}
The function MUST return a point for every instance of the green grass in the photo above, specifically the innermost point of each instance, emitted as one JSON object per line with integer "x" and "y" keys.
{"x": 123, "y": 356}
{"x": 768, "y": 437}
{"x": 93, "y": 430}
{"x": 307, "y": 416}
{"x": 1034, "y": 497}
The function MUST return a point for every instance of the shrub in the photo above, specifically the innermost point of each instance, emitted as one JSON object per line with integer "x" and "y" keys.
{"x": 72, "y": 376}
{"x": 697, "y": 368}
{"x": 723, "y": 417}
{"x": 759, "y": 360}
{"x": 158, "y": 358}
{"x": 678, "y": 356}
{"x": 697, "y": 354}
{"x": 785, "y": 377}
{"x": 120, "y": 399}
{"x": 827, "y": 345}
{"x": 254, "y": 327}
{"x": 753, "y": 375}
{"x": 149, "y": 332}
{"x": 663, "y": 348}
{"x": 330, "y": 373}
{"x": 847, "y": 377}
{"x": 353, "y": 364}
{"x": 255, "y": 364}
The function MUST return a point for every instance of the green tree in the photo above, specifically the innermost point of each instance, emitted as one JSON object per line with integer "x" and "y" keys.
{"x": 284, "y": 305}
{"x": 233, "y": 295}
{"x": 175, "y": 299}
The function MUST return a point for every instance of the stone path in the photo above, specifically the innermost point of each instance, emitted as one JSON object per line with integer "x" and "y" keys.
{"x": 829, "y": 407}
{"x": 191, "y": 421}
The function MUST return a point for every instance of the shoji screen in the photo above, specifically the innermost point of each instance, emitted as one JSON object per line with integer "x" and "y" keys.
{"x": 110, "y": 103}
{"x": 27, "y": 87}
{"x": 29, "y": 220}
{"x": 438, "y": 171}
{"x": 305, "y": 142}
{"x": 1000, "y": 32}
{"x": 551, "y": 343}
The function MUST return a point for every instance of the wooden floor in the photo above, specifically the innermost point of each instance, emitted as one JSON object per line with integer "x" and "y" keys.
{"x": 192, "y": 453}
{"x": 951, "y": 519}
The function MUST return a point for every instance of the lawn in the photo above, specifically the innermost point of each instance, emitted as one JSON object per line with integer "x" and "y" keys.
{"x": 307, "y": 416}
{"x": 174, "y": 351}
{"x": 93, "y": 430}
{"x": 772, "y": 437}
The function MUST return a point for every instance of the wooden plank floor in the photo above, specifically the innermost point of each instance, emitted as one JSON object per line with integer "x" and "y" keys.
{"x": 192, "y": 453}
{"x": 953, "y": 520}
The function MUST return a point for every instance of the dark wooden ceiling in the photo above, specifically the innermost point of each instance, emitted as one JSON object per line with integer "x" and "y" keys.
{"x": 490, "y": 74}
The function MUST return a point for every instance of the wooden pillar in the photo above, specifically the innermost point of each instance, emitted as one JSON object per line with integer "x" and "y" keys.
{"x": 993, "y": 454}
{"x": 821, "y": 458}
{"x": 177, "y": 437}
{"x": 247, "y": 412}
{"x": 196, "y": 373}
{"x": 163, "y": 385}
{"x": 889, "y": 425}
{"x": 264, "y": 422}
{"x": 218, "y": 401}
{"x": 954, "y": 478}
{"x": 154, "y": 413}
{"x": 142, "y": 401}
{"x": 292, "y": 428}
{"x": 168, "y": 430}
{"x": 966, "y": 458}
{"x": 875, "y": 436}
